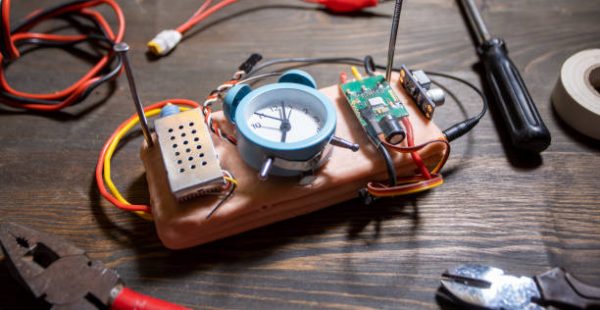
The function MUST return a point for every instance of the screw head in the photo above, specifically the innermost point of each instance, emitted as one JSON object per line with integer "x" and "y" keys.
{"x": 121, "y": 47}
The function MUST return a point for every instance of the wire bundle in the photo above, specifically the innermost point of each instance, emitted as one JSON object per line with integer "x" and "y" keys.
{"x": 103, "y": 37}
{"x": 218, "y": 93}
{"x": 213, "y": 97}
{"x": 423, "y": 181}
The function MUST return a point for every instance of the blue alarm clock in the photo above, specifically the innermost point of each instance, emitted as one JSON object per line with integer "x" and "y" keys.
{"x": 284, "y": 128}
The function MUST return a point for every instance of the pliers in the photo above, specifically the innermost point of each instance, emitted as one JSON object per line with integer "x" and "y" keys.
{"x": 64, "y": 277}
{"x": 490, "y": 288}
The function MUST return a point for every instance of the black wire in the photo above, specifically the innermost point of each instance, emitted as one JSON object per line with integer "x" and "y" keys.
{"x": 101, "y": 37}
{"x": 468, "y": 84}
{"x": 307, "y": 61}
{"x": 389, "y": 163}
{"x": 369, "y": 65}
{"x": 222, "y": 201}
{"x": 451, "y": 132}
{"x": 42, "y": 14}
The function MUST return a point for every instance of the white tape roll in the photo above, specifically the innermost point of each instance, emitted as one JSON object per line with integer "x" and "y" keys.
{"x": 576, "y": 96}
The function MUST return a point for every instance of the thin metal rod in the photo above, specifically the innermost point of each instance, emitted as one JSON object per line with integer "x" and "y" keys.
{"x": 476, "y": 21}
{"x": 340, "y": 142}
{"x": 393, "y": 35}
{"x": 122, "y": 49}
{"x": 265, "y": 169}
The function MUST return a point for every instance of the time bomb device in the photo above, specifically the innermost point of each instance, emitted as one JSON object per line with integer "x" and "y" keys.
{"x": 283, "y": 134}
{"x": 284, "y": 129}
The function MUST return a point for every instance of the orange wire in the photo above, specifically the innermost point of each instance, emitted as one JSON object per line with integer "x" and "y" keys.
{"x": 70, "y": 94}
{"x": 99, "y": 166}
{"x": 418, "y": 183}
{"x": 203, "y": 15}
{"x": 190, "y": 22}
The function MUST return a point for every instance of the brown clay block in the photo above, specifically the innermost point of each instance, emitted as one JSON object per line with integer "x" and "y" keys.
{"x": 257, "y": 203}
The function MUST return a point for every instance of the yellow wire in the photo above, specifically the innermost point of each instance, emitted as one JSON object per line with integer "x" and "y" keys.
{"x": 111, "y": 150}
{"x": 356, "y": 74}
{"x": 231, "y": 180}
{"x": 109, "y": 153}
{"x": 412, "y": 191}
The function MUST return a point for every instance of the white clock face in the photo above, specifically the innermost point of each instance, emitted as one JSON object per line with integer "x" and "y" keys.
{"x": 285, "y": 122}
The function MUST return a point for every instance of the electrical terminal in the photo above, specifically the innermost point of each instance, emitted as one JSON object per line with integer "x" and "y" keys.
{"x": 418, "y": 85}
{"x": 164, "y": 42}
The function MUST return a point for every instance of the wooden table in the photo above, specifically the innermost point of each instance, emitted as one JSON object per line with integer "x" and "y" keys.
{"x": 525, "y": 215}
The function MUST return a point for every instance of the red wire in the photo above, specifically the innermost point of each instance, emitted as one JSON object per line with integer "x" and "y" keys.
{"x": 72, "y": 93}
{"x": 343, "y": 77}
{"x": 203, "y": 15}
{"x": 190, "y": 22}
{"x": 12, "y": 50}
{"x": 100, "y": 165}
{"x": 411, "y": 142}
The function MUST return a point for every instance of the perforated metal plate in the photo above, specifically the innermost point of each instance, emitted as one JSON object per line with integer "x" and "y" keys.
{"x": 188, "y": 154}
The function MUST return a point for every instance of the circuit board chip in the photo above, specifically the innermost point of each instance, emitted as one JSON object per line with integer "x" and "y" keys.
{"x": 376, "y": 106}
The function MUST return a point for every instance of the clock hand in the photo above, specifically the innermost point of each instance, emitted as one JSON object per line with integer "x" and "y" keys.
{"x": 271, "y": 128}
{"x": 282, "y": 112}
{"x": 283, "y": 135}
{"x": 285, "y": 123}
{"x": 268, "y": 116}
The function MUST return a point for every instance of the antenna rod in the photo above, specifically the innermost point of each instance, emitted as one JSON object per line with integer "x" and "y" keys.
{"x": 393, "y": 35}
{"x": 122, "y": 48}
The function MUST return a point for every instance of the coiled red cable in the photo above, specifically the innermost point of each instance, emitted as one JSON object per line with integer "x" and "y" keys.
{"x": 103, "y": 36}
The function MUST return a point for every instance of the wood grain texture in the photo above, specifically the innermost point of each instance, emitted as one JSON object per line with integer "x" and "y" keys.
{"x": 524, "y": 215}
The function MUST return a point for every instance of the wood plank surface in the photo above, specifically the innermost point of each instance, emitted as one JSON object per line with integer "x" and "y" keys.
{"x": 497, "y": 207}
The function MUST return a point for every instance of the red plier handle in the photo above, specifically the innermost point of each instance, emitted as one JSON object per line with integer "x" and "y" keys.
{"x": 131, "y": 300}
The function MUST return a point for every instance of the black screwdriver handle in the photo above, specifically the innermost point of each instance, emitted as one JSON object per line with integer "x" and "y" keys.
{"x": 526, "y": 128}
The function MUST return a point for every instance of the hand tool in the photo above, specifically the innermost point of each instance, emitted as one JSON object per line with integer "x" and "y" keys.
{"x": 491, "y": 288}
{"x": 121, "y": 49}
{"x": 525, "y": 126}
{"x": 63, "y": 276}
{"x": 392, "y": 43}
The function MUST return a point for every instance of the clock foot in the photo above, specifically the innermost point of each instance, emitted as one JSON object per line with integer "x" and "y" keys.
{"x": 337, "y": 141}
{"x": 263, "y": 174}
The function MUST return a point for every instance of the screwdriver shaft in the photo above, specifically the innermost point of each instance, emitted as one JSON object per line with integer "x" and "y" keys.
{"x": 393, "y": 35}
{"x": 122, "y": 49}
{"x": 477, "y": 24}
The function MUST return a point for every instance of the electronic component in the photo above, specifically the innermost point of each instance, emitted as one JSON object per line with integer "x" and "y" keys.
{"x": 377, "y": 107}
{"x": 164, "y": 42}
{"x": 188, "y": 153}
{"x": 394, "y": 133}
{"x": 418, "y": 86}
{"x": 284, "y": 128}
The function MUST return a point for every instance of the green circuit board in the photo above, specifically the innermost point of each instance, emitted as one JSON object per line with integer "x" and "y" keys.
{"x": 375, "y": 96}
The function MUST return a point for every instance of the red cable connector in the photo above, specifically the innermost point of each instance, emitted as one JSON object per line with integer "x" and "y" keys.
{"x": 345, "y": 6}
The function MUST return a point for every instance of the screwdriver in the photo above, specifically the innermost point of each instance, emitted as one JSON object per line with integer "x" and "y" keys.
{"x": 523, "y": 122}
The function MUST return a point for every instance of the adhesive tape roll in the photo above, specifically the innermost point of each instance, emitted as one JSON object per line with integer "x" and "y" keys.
{"x": 576, "y": 96}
